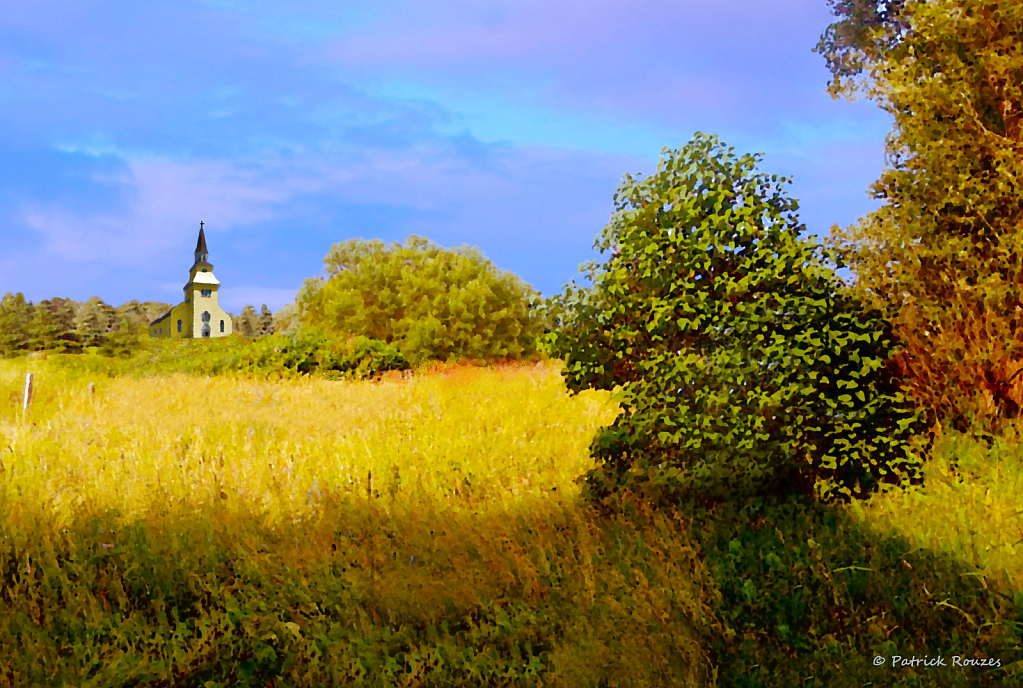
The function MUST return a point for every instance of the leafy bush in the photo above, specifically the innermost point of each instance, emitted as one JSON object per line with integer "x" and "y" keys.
{"x": 360, "y": 357}
{"x": 743, "y": 369}
{"x": 430, "y": 302}
{"x": 312, "y": 350}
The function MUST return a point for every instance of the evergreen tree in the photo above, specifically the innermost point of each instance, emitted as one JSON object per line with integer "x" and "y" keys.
{"x": 95, "y": 320}
{"x": 134, "y": 315}
{"x": 152, "y": 310}
{"x": 266, "y": 321}
{"x": 123, "y": 337}
{"x": 53, "y": 326}
{"x": 15, "y": 323}
{"x": 248, "y": 322}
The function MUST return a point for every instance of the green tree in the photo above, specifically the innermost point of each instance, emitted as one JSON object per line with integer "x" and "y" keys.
{"x": 247, "y": 324}
{"x": 53, "y": 326}
{"x": 741, "y": 367}
{"x": 266, "y": 321}
{"x": 433, "y": 303}
{"x": 139, "y": 315}
{"x": 15, "y": 323}
{"x": 94, "y": 321}
{"x": 124, "y": 335}
{"x": 941, "y": 258}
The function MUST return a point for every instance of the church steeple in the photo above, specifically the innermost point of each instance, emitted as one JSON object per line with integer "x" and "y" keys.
{"x": 200, "y": 247}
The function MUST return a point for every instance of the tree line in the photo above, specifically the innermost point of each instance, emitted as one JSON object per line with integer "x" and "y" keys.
{"x": 67, "y": 326}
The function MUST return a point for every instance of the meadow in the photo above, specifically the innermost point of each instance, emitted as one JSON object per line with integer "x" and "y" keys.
{"x": 176, "y": 529}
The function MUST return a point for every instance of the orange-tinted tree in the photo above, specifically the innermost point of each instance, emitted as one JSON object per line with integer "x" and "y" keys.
{"x": 941, "y": 258}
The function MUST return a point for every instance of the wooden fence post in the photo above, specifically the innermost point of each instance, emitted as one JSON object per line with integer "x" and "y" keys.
{"x": 28, "y": 394}
{"x": 92, "y": 391}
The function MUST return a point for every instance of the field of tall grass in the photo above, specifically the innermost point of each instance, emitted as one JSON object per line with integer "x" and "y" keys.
{"x": 178, "y": 530}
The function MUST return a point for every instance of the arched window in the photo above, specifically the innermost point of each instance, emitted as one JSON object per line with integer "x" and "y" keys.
{"x": 221, "y": 325}
{"x": 179, "y": 326}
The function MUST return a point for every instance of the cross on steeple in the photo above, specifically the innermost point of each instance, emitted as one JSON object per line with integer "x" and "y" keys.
{"x": 200, "y": 246}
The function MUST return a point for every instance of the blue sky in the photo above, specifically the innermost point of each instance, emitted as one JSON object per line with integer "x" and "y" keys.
{"x": 289, "y": 126}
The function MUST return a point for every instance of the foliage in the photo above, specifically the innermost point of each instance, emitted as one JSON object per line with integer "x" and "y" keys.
{"x": 65, "y": 326}
{"x": 15, "y": 319}
{"x": 233, "y": 531}
{"x": 864, "y": 36}
{"x": 808, "y": 596}
{"x": 313, "y": 350}
{"x": 742, "y": 368}
{"x": 100, "y": 325}
{"x": 941, "y": 258}
{"x": 252, "y": 325}
{"x": 246, "y": 323}
{"x": 139, "y": 315}
{"x": 266, "y": 321}
{"x": 430, "y": 302}
{"x": 285, "y": 319}
{"x": 53, "y": 326}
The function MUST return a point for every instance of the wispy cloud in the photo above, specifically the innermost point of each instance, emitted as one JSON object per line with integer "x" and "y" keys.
{"x": 287, "y": 127}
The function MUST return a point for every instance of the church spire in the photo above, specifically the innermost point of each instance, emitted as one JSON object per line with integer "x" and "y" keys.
{"x": 200, "y": 247}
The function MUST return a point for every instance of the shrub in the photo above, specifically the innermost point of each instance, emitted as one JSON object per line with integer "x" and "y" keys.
{"x": 741, "y": 367}
{"x": 430, "y": 302}
{"x": 312, "y": 350}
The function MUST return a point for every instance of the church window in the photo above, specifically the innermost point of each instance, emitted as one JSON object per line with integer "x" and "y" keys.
{"x": 221, "y": 325}
{"x": 206, "y": 316}
{"x": 207, "y": 292}
{"x": 179, "y": 326}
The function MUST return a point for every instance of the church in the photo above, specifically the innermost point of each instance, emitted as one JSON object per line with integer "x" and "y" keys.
{"x": 200, "y": 314}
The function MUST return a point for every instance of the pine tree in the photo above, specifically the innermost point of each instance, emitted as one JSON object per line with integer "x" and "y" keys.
{"x": 53, "y": 326}
{"x": 249, "y": 324}
{"x": 266, "y": 321}
{"x": 15, "y": 322}
{"x": 95, "y": 320}
{"x": 123, "y": 337}
{"x": 134, "y": 314}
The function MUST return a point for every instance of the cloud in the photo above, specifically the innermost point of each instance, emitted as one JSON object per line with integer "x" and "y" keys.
{"x": 286, "y": 127}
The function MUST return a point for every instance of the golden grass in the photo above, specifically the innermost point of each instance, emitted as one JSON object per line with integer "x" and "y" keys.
{"x": 970, "y": 506}
{"x": 495, "y": 436}
{"x": 455, "y": 487}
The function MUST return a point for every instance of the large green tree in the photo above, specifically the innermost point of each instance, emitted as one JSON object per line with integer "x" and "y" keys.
{"x": 16, "y": 316}
{"x": 941, "y": 258}
{"x": 743, "y": 370}
{"x": 53, "y": 326}
{"x": 431, "y": 302}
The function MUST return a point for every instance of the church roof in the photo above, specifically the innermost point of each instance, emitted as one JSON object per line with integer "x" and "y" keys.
{"x": 203, "y": 264}
{"x": 200, "y": 246}
{"x": 204, "y": 278}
